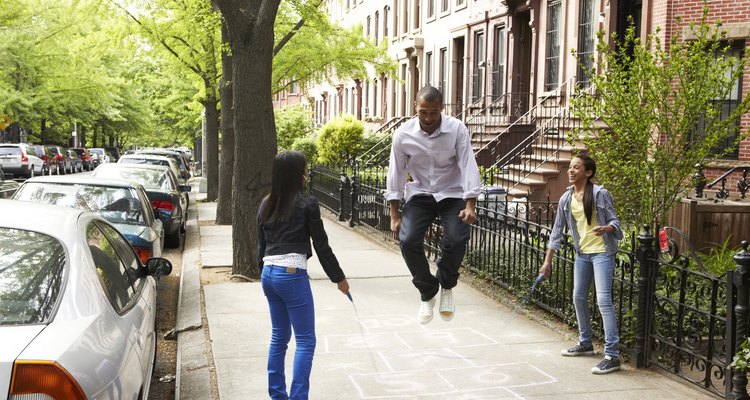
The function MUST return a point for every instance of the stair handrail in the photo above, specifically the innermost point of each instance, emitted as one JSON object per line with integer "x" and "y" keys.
{"x": 528, "y": 115}
{"x": 557, "y": 121}
{"x": 378, "y": 148}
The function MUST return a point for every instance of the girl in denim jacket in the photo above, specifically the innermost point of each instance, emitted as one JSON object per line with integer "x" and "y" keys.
{"x": 288, "y": 218}
{"x": 587, "y": 211}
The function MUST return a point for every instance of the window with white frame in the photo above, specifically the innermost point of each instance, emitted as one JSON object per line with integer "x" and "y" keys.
{"x": 385, "y": 21}
{"x": 428, "y": 68}
{"x": 477, "y": 73}
{"x": 430, "y": 8}
{"x": 443, "y": 70}
{"x": 586, "y": 42}
{"x": 417, "y": 15}
{"x": 498, "y": 62}
{"x": 376, "y": 26}
{"x": 444, "y": 6}
{"x": 552, "y": 57}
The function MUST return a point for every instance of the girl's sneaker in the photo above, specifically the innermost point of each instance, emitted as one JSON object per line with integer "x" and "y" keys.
{"x": 607, "y": 365}
{"x": 579, "y": 350}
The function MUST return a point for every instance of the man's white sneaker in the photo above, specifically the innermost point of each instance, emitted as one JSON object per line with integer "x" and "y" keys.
{"x": 425, "y": 311}
{"x": 447, "y": 308}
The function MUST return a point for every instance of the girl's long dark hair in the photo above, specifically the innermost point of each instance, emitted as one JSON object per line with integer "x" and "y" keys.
{"x": 287, "y": 184}
{"x": 588, "y": 194}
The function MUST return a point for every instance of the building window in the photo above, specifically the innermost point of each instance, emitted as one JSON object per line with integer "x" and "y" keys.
{"x": 404, "y": 17}
{"x": 367, "y": 27}
{"x": 417, "y": 14}
{"x": 385, "y": 21}
{"x": 367, "y": 98}
{"x": 726, "y": 106}
{"x": 459, "y": 3}
{"x": 395, "y": 17}
{"x": 375, "y": 98}
{"x": 498, "y": 62}
{"x": 428, "y": 68}
{"x": 294, "y": 89}
{"x": 430, "y": 8}
{"x": 444, "y": 6}
{"x": 552, "y": 59}
{"x": 443, "y": 70}
{"x": 586, "y": 42}
{"x": 376, "y": 26}
{"x": 477, "y": 74}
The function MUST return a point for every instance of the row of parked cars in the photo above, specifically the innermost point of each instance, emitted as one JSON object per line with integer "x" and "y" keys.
{"x": 26, "y": 161}
{"x": 78, "y": 296}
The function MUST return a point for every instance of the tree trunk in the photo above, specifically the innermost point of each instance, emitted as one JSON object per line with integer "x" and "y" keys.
{"x": 226, "y": 167}
{"x": 43, "y": 131}
{"x": 251, "y": 40}
{"x": 212, "y": 144}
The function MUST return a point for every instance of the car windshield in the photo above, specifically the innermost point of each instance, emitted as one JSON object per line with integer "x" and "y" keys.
{"x": 9, "y": 151}
{"x": 117, "y": 205}
{"x": 97, "y": 151}
{"x": 54, "y": 150}
{"x": 31, "y": 276}
{"x": 150, "y": 179}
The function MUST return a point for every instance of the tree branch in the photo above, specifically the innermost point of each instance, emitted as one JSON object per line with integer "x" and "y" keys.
{"x": 291, "y": 33}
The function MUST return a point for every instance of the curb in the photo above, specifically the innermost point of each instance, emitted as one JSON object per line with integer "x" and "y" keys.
{"x": 193, "y": 378}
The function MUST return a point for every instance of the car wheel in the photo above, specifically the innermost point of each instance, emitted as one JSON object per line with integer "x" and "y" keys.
{"x": 31, "y": 172}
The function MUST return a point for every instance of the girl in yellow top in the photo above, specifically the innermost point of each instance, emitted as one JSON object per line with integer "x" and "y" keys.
{"x": 588, "y": 212}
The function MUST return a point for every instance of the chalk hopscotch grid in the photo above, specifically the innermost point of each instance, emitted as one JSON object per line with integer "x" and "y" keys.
{"x": 412, "y": 386}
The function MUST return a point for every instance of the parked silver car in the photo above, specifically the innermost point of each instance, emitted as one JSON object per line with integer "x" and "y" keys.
{"x": 20, "y": 159}
{"x": 122, "y": 203}
{"x": 77, "y": 307}
{"x": 168, "y": 198}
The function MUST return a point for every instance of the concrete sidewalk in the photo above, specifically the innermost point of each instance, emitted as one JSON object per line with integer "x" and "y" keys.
{"x": 374, "y": 348}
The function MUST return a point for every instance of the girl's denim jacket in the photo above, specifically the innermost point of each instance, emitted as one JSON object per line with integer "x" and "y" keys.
{"x": 293, "y": 235}
{"x": 605, "y": 215}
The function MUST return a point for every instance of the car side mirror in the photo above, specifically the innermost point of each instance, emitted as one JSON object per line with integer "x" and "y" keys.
{"x": 158, "y": 267}
{"x": 185, "y": 188}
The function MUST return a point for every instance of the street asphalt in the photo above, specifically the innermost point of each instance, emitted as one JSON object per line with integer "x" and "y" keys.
{"x": 373, "y": 347}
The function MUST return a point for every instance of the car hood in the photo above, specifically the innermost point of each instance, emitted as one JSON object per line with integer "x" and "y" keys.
{"x": 14, "y": 339}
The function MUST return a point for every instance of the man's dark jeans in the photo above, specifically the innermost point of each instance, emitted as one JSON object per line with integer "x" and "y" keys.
{"x": 419, "y": 213}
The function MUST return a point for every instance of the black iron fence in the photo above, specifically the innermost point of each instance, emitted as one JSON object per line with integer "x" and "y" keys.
{"x": 672, "y": 314}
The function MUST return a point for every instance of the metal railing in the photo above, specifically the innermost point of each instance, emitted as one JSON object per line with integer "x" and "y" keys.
{"x": 552, "y": 118}
{"x": 671, "y": 314}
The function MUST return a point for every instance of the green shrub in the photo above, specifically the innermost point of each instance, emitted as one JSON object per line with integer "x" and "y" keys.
{"x": 292, "y": 123}
{"x": 308, "y": 146}
{"x": 340, "y": 140}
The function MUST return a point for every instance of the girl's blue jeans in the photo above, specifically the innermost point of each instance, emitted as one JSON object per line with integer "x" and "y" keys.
{"x": 291, "y": 304}
{"x": 600, "y": 268}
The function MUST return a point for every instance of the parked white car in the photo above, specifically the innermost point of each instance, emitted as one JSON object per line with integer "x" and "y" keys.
{"x": 77, "y": 307}
{"x": 20, "y": 159}
{"x": 150, "y": 159}
{"x": 100, "y": 155}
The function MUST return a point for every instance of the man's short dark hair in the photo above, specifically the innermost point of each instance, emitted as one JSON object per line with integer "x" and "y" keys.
{"x": 430, "y": 94}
